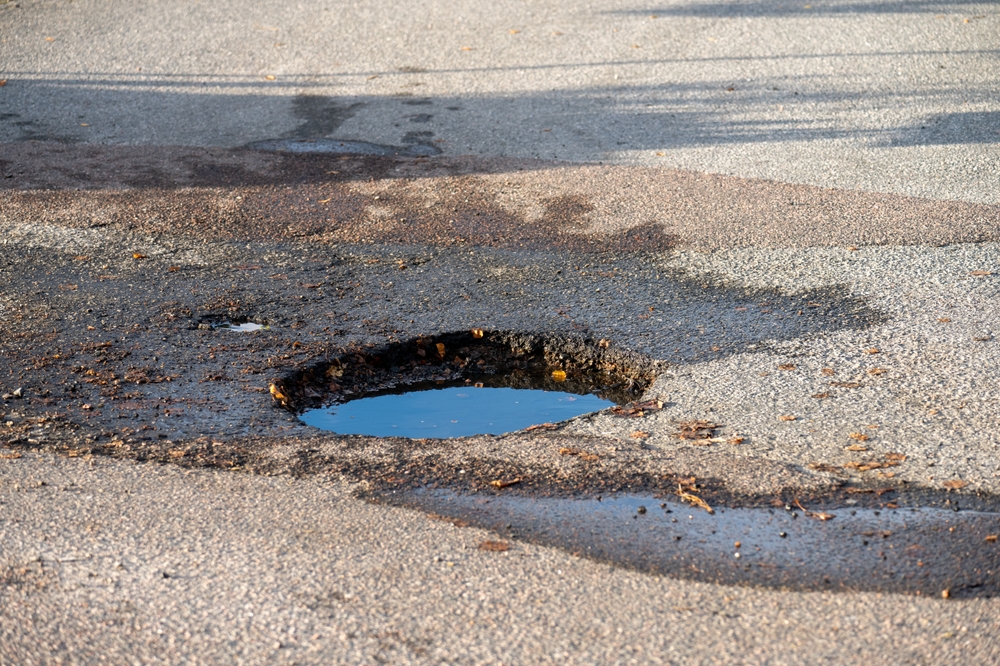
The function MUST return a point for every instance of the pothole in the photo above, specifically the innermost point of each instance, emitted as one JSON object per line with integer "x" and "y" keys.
{"x": 467, "y": 383}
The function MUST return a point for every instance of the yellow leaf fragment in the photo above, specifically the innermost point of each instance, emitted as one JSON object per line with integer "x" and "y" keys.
{"x": 477, "y": 333}
{"x": 440, "y": 349}
{"x": 786, "y": 366}
{"x": 861, "y": 437}
{"x": 787, "y": 417}
{"x": 856, "y": 447}
{"x": 639, "y": 434}
{"x": 277, "y": 394}
{"x": 559, "y": 375}
{"x": 693, "y": 499}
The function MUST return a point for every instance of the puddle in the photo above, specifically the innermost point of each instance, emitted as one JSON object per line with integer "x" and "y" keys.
{"x": 921, "y": 551}
{"x": 460, "y": 410}
{"x": 465, "y": 383}
{"x": 247, "y": 327}
{"x": 339, "y": 147}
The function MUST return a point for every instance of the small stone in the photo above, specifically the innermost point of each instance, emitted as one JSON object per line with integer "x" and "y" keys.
{"x": 18, "y": 393}
{"x": 641, "y": 510}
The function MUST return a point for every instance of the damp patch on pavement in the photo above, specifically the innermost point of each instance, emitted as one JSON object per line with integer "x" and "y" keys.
{"x": 344, "y": 147}
{"x": 911, "y": 550}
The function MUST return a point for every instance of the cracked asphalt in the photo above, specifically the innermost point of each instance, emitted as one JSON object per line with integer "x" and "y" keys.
{"x": 783, "y": 217}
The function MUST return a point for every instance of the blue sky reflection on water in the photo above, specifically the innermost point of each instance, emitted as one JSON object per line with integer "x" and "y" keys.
{"x": 451, "y": 412}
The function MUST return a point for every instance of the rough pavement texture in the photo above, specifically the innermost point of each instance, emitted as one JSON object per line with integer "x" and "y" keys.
{"x": 793, "y": 209}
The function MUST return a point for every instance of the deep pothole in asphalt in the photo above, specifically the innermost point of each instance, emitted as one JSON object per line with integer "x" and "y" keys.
{"x": 467, "y": 383}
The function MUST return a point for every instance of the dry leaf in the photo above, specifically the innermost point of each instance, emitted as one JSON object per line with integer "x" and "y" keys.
{"x": 559, "y": 375}
{"x": 137, "y": 255}
{"x": 477, "y": 333}
{"x": 639, "y": 434}
{"x": 870, "y": 465}
{"x": 829, "y": 372}
{"x": 873, "y": 350}
{"x": 821, "y": 396}
{"x": 494, "y": 546}
{"x": 980, "y": 273}
{"x": 944, "y": 320}
{"x": 698, "y": 431}
{"x": 440, "y": 349}
{"x": 823, "y": 467}
{"x": 735, "y": 440}
{"x": 582, "y": 455}
{"x": 861, "y": 437}
{"x": 786, "y": 366}
{"x": 504, "y": 484}
{"x": 787, "y": 417}
{"x": 896, "y": 457}
{"x": 466, "y": 48}
{"x": 818, "y": 515}
{"x": 269, "y": 77}
{"x": 877, "y": 371}
{"x": 856, "y": 447}
{"x": 637, "y": 409}
{"x": 693, "y": 499}
{"x": 278, "y": 395}
{"x": 177, "y": 453}
{"x": 955, "y": 484}
{"x": 991, "y": 538}
{"x": 311, "y": 285}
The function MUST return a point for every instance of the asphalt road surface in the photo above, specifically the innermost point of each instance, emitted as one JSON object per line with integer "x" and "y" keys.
{"x": 778, "y": 221}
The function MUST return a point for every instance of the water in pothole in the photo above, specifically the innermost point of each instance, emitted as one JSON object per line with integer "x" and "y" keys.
{"x": 451, "y": 409}
{"x": 247, "y": 327}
